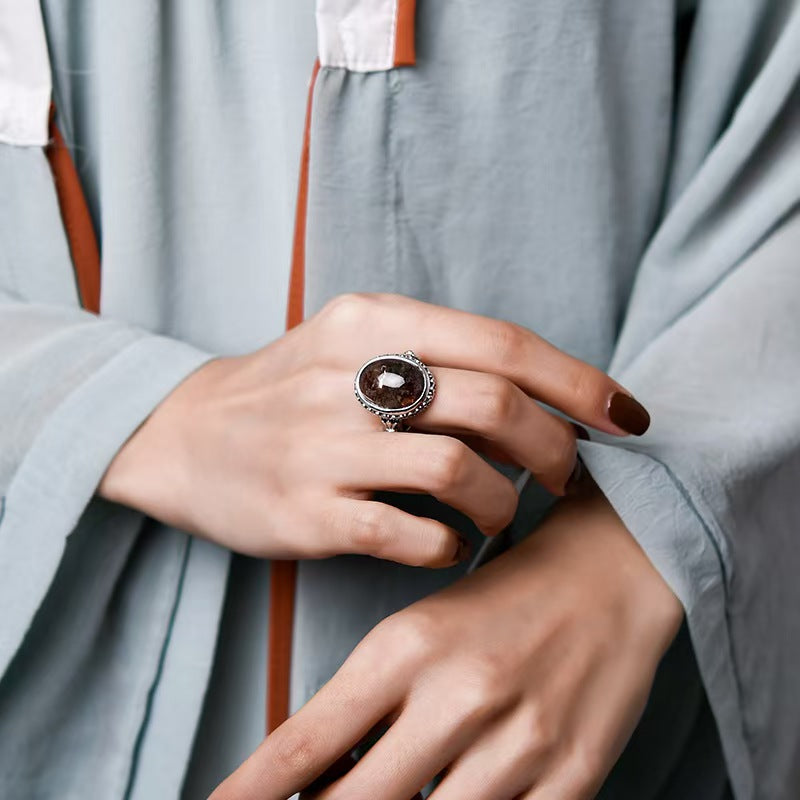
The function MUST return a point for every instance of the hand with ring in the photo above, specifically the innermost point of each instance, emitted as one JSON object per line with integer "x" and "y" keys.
{"x": 270, "y": 454}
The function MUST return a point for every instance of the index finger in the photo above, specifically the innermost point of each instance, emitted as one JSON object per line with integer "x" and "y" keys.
{"x": 334, "y": 720}
{"x": 451, "y": 337}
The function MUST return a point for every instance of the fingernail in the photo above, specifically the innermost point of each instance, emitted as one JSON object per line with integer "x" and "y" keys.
{"x": 575, "y": 479}
{"x": 463, "y": 551}
{"x": 628, "y": 414}
{"x": 581, "y": 432}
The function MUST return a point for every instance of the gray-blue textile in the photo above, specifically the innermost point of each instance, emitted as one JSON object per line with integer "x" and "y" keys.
{"x": 621, "y": 177}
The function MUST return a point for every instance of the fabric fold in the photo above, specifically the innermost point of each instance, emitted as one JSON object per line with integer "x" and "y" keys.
{"x": 660, "y": 514}
{"x": 709, "y": 494}
{"x": 58, "y": 475}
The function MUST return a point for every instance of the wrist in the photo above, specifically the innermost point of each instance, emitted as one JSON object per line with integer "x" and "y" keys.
{"x": 150, "y": 471}
{"x": 142, "y": 474}
{"x": 605, "y": 558}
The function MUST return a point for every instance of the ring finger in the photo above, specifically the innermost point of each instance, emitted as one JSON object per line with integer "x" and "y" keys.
{"x": 504, "y": 762}
{"x": 435, "y": 464}
{"x": 496, "y": 409}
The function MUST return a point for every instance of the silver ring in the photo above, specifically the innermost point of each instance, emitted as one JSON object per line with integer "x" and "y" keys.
{"x": 395, "y": 386}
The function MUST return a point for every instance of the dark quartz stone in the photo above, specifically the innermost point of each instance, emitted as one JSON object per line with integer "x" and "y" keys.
{"x": 391, "y": 383}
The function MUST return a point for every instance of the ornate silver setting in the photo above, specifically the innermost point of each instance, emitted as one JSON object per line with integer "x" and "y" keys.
{"x": 393, "y": 418}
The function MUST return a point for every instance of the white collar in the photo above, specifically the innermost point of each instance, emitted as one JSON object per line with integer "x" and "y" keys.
{"x": 25, "y": 80}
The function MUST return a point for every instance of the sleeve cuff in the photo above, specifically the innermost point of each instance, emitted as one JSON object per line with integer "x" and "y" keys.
{"x": 660, "y": 514}
{"x": 61, "y": 470}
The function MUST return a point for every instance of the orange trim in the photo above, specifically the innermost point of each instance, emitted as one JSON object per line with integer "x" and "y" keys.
{"x": 405, "y": 54}
{"x": 283, "y": 576}
{"x": 283, "y": 580}
{"x": 294, "y": 311}
{"x": 77, "y": 220}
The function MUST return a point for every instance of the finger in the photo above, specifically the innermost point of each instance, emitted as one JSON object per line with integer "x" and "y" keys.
{"x": 502, "y": 763}
{"x": 340, "y": 767}
{"x": 610, "y": 710}
{"x": 498, "y": 410}
{"x": 425, "y": 738}
{"x": 455, "y": 338}
{"x": 343, "y": 765}
{"x": 487, "y": 448}
{"x": 442, "y": 466}
{"x": 364, "y": 691}
{"x": 582, "y": 763}
{"x": 378, "y": 529}
{"x": 563, "y": 785}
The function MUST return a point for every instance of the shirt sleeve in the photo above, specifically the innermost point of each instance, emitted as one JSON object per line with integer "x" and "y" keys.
{"x": 711, "y": 345}
{"x": 73, "y": 387}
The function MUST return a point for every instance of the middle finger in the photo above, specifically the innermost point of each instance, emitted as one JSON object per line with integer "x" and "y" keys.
{"x": 426, "y": 737}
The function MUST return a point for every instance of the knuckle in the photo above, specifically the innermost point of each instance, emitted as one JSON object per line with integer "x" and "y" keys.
{"x": 297, "y": 752}
{"x": 367, "y": 532}
{"x": 586, "y": 769}
{"x": 479, "y": 692}
{"x": 315, "y": 382}
{"x": 410, "y": 634}
{"x": 494, "y": 405}
{"x": 504, "y": 510}
{"x": 507, "y": 342}
{"x": 436, "y": 542}
{"x": 585, "y": 385}
{"x": 347, "y": 308}
{"x": 445, "y": 463}
{"x": 540, "y": 736}
{"x": 430, "y": 542}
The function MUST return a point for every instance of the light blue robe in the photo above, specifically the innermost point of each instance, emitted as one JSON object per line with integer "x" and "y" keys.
{"x": 540, "y": 163}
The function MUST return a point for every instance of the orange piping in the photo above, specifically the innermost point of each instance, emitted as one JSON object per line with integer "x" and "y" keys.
{"x": 283, "y": 578}
{"x": 76, "y": 218}
{"x": 404, "y": 43}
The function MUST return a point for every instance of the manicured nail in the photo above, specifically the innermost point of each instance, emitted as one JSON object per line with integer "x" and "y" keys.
{"x": 576, "y": 478}
{"x": 581, "y": 432}
{"x": 628, "y": 414}
{"x": 463, "y": 551}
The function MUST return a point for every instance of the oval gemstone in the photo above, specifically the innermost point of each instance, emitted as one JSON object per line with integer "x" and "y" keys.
{"x": 392, "y": 383}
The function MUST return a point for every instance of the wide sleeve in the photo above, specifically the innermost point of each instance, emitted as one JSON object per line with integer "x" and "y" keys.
{"x": 73, "y": 387}
{"x": 711, "y": 345}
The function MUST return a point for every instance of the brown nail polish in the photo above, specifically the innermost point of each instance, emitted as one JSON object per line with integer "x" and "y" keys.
{"x": 628, "y": 414}
{"x": 576, "y": 478}
{"x": 463, "y": 551}
{"x": 581, "y": 432}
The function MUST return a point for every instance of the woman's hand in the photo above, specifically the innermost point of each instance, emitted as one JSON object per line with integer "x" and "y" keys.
{"x": 523, "y": 680}
{"x": 270, "y": 454}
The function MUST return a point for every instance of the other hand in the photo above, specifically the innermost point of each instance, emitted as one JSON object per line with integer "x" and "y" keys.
{"x": 522, "y": 681}
{"x": 270, "y": 454}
